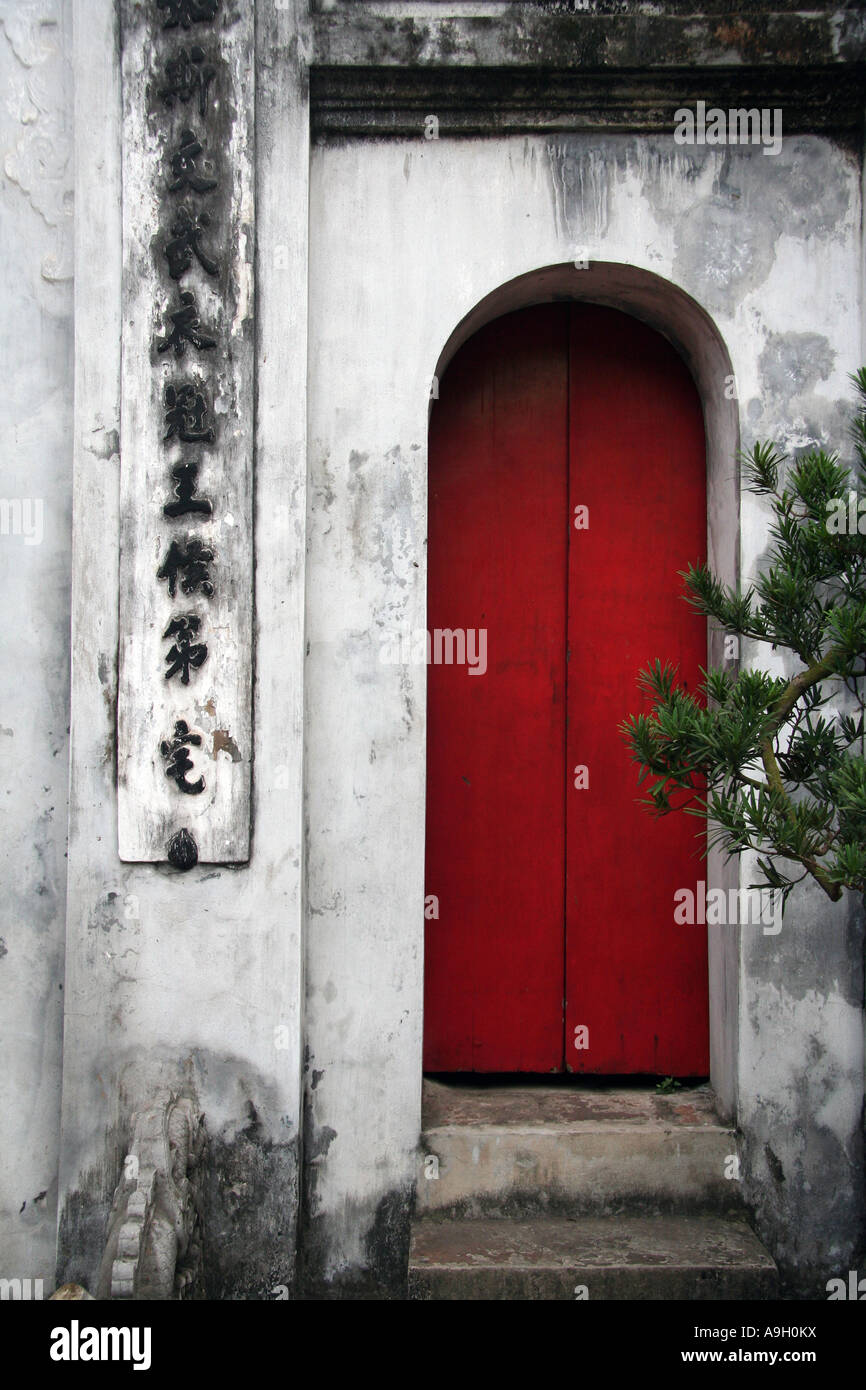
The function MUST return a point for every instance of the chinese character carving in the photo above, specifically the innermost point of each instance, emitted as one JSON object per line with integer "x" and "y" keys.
{"x": 185, "y": 653}
{"x": 177, "y": 760}
{"x": 186, "y": 232}
{"x": 187, "y": 74}
{"x": 186, "y": 328}
{"x": 185, "y": 481}
{"x": 187, "y": 12}
{"x": 185, "y": 174}
{"x": 192, "y": 563}
{"x": 186, "y": 415}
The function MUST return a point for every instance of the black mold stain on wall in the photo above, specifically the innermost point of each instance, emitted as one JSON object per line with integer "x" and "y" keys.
{"x": 384, "y": 1273}
{"x": 81, "y": 1239}
{"x": 387, "y": 1241}
{"x": 386, "y": 1224}
{"x": 249, "y": 1200}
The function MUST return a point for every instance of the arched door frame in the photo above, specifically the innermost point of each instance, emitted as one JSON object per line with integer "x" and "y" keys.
{"x": 681, "y": 320}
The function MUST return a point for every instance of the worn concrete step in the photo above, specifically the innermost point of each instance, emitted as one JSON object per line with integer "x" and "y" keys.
{"x": 521, "y": 1150}
{"x": 661, "y": 1257}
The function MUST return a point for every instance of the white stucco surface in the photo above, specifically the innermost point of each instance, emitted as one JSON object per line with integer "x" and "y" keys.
{"x": 406, "y": 238}
{"x": 298, "y": 978}
{"x": 35, "y": 565}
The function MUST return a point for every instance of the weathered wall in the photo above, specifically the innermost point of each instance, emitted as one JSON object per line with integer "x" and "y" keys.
{"x": 198, "y": 983}
{"x": 188, "y": 981}
{"x": 407, "y": 237}
{"x": 35, "y": 544}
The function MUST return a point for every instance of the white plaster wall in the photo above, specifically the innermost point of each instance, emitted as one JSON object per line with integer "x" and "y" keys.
{"x": 198, "y": 982}
{"x": 190, "y": 981}
{"x": 406, "y": 237}
{"x": 35, "y": 468}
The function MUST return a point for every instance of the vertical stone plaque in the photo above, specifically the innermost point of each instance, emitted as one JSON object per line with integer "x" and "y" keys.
{"x": 184, "y": 719}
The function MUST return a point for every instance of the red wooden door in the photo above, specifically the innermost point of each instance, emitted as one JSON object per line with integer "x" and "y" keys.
{"x": 554, "y": 945}
{"x": 634, "y": 979}
{"x": 497, "y": 556}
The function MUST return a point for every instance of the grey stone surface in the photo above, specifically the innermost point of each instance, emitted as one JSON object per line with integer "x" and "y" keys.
{"x": 518, "y": 1149}
{"x": 626, "y": 35}
{"x": 672, "y": 1257}
{"x": 467, "y": 1101}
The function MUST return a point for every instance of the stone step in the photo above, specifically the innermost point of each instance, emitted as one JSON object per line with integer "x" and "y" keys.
{"x": 511, "y": 1151}
{"x": 599, "y": 1258}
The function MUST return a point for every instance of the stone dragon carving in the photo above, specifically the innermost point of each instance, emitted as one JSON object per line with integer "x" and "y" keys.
{"x": 154, "y": 1245}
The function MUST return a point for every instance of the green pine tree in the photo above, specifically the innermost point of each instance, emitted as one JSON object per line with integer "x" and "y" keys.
{"x": 773, "y": 764}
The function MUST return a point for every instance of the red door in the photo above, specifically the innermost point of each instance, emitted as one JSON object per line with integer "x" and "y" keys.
{"x": 554, "y": 945}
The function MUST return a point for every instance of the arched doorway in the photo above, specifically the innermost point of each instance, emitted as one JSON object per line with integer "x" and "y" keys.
{"x": 567, "y": 488}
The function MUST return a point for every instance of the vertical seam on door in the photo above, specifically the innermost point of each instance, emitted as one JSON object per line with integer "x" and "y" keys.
{"x": 569, "y": 309}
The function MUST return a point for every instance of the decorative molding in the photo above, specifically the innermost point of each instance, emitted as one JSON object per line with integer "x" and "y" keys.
{"x": 388, "y": 101}
{"x": 380, "y": 67}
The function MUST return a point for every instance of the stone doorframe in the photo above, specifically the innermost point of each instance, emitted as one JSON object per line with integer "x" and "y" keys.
{"x": 681, "y": 320}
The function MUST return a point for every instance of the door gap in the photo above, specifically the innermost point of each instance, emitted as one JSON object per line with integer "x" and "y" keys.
{"x": 566, "y": 781}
